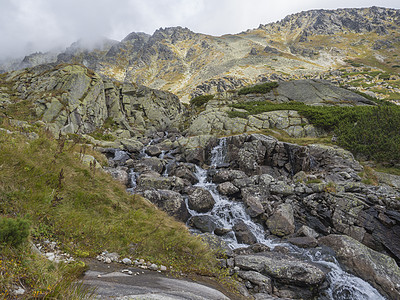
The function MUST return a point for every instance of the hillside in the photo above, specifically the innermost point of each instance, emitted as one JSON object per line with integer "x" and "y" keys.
{"x": 279, "y": 178}
{"x": 330, "y": 44}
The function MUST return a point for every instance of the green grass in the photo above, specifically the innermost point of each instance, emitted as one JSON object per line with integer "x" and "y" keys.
{"x": 87, "y": 211}
{"x": 259, "y": 88}
{"x": 369, "y": 131}
{"x": 201, "y": 100}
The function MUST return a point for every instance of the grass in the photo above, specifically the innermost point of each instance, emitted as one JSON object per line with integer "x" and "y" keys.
{"x": 258, "y": 89}
{"x": 87, "y": 211}
{"x": 369, "y": 131}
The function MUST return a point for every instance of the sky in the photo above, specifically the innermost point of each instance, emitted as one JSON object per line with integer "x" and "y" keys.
{"x": 28, "y": 26}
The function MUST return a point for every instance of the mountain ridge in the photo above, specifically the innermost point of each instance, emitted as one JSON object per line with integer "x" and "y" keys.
{"x": 308, "y": 44}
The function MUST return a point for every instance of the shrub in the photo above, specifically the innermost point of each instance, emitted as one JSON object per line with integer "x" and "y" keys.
{"x": 371, "y": 131}
{"x": 201, "y": 100}
{"x": 13, "y": 231}
{"x": 259, "y": 88}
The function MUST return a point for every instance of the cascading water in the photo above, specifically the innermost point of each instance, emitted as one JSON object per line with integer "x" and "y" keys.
{"x": 342, "y": 285}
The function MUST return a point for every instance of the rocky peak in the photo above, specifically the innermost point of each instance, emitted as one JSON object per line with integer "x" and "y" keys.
{"x": 356, "y": 20}
{"x": 173, "y": 33}
{"x": 141, "y": 36}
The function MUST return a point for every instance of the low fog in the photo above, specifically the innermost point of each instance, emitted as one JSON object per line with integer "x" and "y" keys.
{"x": 28, "y": 26}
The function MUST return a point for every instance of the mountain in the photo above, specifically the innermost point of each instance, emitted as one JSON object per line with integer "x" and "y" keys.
{"x": 313, "y": 43}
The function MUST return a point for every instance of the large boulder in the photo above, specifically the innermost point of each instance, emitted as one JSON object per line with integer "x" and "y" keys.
{"x": 205, "y": 223}
{"x": 200, "y": 200}
{"x": 379, "y": 270}
{"x": 281, "y": 222}
{"x": 284, "y": 268}
{"x": 169, "y": 201}
{"x": 263, "y": 283}
{"x": 243, "y": 233}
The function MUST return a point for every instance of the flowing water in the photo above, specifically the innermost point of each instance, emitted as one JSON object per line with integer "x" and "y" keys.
{"x": 343, "y": 286}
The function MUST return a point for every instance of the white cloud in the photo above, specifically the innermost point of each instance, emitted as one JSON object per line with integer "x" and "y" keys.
{"x": 38, "y": 25}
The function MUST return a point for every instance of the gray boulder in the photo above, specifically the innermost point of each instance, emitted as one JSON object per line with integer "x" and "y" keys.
{"x": 203, "y": 222}
{"x": 281, "y": 222}
{"x": 262, "y": 282}
{"x": 284, "y": 268}
{"x": 200, "y": 200}
{"x": 227, "y": 188}
{"x": 243, "y": 233}
{"x": 169, "y": 201}
{"x": 379, "y": 270}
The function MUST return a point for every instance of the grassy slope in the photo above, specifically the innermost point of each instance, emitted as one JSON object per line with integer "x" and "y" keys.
{"x": 86, "y": 211}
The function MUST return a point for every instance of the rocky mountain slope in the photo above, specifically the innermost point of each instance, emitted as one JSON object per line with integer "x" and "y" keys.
{"x": 307, "y": 44}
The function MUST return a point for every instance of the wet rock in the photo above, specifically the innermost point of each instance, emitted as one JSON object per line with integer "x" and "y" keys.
{"x": 227, "y": 188}
{"x": 307, "y": 232}
{"x": 283, "y": 268}
{"x": 281, "y": 222}
{"x": 203, "y": 222}
{"x": 153, "y": 150}
{"x": 200, "y": 200}
{"x": 243, "y": 233}
{"x": 150, "y": 163}
{"x": 379, "y": 270}
{"x": 169, "y": 201}
{"x": 184, "y": 172}
{"x": 254, "y": 206}
{"x": 228, "y": 175}
{"x": 303, "y": 242}
{"x": 262, "y": 282}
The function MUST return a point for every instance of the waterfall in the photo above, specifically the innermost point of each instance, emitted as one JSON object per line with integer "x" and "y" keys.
{"x": 342, "y": 285}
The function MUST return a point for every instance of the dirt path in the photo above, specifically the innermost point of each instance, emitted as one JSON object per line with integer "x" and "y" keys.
{"x": 110, "y": 283}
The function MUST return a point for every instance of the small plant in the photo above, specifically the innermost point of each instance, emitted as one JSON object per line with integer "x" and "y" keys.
{"x": 259, "y": 88}
{"x": 201, "y": 100}
{"x": 13, "y": 231}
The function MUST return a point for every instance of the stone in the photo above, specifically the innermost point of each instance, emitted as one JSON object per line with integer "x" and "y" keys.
{"x": 380, "y": 270}
{"x": 132, "y": 145}
{"x": 282, "y": 267}
{"x": 153, "y": 150}
{"x": 169, "y": 201}
{"x": 150, "y": 163}
{"x": 254, "y": 206}
{"x": 153, "y": 267}
{"x": 205, "y": 223}
{"x": 281, "y": 188}
{"x": 243, "y": 233}
{"x": 185, "y": 173}
{"x": 307, "y": 232}
{"x": 228, "y": 175}
{"x": 227, "y": 188}
{"x": 126, "y": 261}
{"x": 281, "y": 222}
{"x": 263, "y": 282}
{"x": 303, "y": 242}
{"x": 163, "y": 268}
{"x": 119, "y": 173}
{"x": 200, "y": 200}
{"x": 219, "y": 246}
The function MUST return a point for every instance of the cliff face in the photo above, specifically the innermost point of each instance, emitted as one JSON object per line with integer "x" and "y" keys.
{"x": 303, "y": 45}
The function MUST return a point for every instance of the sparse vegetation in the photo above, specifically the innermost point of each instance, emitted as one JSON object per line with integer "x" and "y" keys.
{"x": 44, "y": 182}
{"x": 259, "y": 88}
{"x": 201, "y": 100}
{"x": 368, "y": 131}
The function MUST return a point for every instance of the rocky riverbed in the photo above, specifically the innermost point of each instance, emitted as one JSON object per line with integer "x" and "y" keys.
{"x": 291, "y": 221}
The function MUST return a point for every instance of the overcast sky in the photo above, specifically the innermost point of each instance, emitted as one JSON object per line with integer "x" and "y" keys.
{"x": 27, "y": 26}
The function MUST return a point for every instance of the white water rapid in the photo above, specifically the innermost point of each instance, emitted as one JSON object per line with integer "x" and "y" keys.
{"x": 343, "y": 286}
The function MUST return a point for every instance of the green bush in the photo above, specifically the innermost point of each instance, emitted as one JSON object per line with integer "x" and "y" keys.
{"x": 13, "y": 231}
{"x": 201, "y": 100}
{"x": 259, "y": 88}
{"x": 371, "y": 131}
